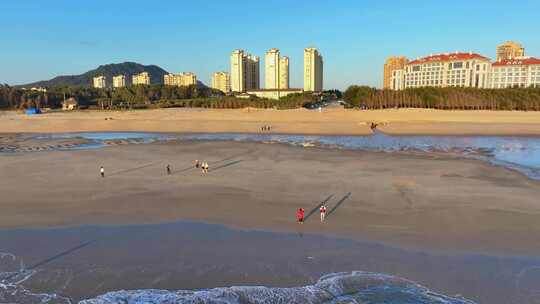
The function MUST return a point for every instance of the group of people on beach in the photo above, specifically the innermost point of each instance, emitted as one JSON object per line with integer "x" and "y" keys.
{"x": 300, "y": 213}
{"x": 198, "y": 165}
{"x": 202, "y": 165}
{"x": 266, "y": 128}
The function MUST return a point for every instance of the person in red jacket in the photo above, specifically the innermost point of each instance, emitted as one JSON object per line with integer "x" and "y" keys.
{"x": 300, "y": 215}
{"x": 322, "y": 210}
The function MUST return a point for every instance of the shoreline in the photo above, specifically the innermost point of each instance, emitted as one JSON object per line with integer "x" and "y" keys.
{"x": 331, "y": 122}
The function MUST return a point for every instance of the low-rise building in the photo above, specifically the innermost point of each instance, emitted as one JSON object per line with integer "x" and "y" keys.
{"x": 182, "y": 79}
{"x": 141, "y": 78}
{"x": 100, "y": 82}
{"x": 516, "y": 72}
{"x": 119, "y": 81}
{"x": 70, "y": 104}
{"x": 274, "y": 93}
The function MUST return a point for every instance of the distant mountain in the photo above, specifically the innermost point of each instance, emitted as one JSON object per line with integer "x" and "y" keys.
{"x": 108, "y": 70}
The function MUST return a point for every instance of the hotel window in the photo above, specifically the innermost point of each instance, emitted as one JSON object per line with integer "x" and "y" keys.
{"x": 458, "y": 65}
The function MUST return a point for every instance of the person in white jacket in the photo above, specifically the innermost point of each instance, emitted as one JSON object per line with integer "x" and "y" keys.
{"x": 322, "y": 210}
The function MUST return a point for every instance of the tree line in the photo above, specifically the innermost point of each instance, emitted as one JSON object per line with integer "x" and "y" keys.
{"x": 451, "y": 98}
{"x": 141, "y": 96}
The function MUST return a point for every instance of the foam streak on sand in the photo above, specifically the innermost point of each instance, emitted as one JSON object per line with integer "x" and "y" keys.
{"x": 353, "y": 287}
{"x": 12, "y": 290}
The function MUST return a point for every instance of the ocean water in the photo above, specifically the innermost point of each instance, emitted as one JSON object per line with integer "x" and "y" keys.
{"x": 335, "y": 288}
{"x": 184, "y": 262}
{"x": 521, "y": 153}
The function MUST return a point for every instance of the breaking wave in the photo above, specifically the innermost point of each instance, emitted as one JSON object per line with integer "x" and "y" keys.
{"x": 345, "y": 287}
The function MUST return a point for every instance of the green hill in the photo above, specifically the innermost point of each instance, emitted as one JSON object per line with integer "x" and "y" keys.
{"x": 108, "y": 70}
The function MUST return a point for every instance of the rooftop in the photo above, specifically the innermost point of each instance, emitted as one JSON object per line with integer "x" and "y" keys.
{"x": 517, "y": 61}
{"x": 449, "y": 57}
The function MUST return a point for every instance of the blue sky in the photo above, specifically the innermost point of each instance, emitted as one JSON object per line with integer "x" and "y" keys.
{"x": 42, "y": 39}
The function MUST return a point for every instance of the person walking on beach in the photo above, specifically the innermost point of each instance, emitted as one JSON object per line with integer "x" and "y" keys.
{"x": 300, "y": 215}
{"x": 168, "y": 169}
{"x": 102, "y": 171}
{"x": 322, "y": 210}
{"x": 197, "y": 164}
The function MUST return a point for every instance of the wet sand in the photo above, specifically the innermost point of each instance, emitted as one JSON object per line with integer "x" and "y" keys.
{"x": 423, "y": 201}
{"x": 193, "y": 256}
{"x": 332, "y": 121}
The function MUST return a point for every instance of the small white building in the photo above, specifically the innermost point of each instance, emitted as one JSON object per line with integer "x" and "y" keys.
{"x": 274, "y": 93}
{"x": 70, "y": 104}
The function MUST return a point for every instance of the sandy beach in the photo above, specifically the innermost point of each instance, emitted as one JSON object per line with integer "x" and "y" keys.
{"x": 436, "y": 202}
{"x": 332, "y": 121}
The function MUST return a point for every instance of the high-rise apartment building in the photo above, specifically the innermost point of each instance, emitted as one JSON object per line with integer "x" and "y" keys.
{"x": 100, "y": 82}
{"x": 245, "y": 74}
{"x": 221, "y": 81}
{"x": 253, "y": 78}
{"x": 182, "y": 79}
{"x": 509, "y": 50}
{"x": 313, "y": 70}
{"x": 392, "y": 64}
{"x": 276, "y": 70}
{"x": 141, "y": 78}
{"x": 284, "y": 72}
{"x": 444, "y": 70}
{"x": 119, "y": 81}
{"x": 271, "y": 69}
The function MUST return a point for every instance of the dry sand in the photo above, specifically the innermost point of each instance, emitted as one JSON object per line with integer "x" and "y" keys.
{"x": 426, "y": 201}
{"x": 332, "y": 121}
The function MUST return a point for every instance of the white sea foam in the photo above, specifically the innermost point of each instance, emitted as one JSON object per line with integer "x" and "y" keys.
{"x": 349, "y": 287}
{"x": 13, "y": 291}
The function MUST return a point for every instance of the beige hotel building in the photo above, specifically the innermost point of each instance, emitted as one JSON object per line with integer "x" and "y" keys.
{"x": 244, "y": 72}
{"x": 182, "y": 79}
{"x": 392, "y": 64}
{"x": 141, "y": 78}
{"x": 119, "y": 81}
{"x": 313, "y": 70}
{"x": 509, "y": 50}
{"x": 221, "y": 81}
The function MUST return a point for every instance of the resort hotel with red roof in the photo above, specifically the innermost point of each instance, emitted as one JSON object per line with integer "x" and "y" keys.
{"x": 471, "y": 70}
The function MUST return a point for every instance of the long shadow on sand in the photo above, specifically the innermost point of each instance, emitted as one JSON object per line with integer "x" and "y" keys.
{"x": 55, "y": 257}
{"x": 338, "y": 204}
{"x": 132, "y": 169}
{"x": 317, "y": 207}
{"x": 227, "y": 165}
